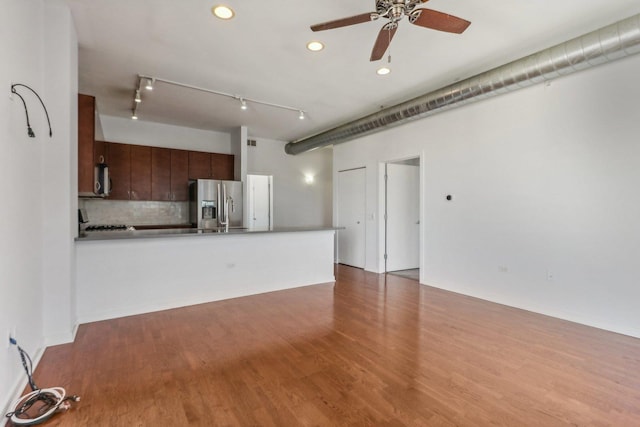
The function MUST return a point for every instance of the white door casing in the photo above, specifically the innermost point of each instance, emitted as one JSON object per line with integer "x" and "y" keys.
{"x": 351, "y": 215}
{"x": 260, "y": 201}
{"x": 403, "y": 217}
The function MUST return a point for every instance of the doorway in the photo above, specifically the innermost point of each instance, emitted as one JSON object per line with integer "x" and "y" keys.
{"x": 402, "y": 218}
{"x": 260, "y": 201}
{"x": 351, "y": 200}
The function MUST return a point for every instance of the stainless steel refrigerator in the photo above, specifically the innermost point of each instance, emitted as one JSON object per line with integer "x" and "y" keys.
{"x": 215, "y": 204}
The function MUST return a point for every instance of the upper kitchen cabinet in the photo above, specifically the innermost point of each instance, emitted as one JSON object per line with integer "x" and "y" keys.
{"x": 160, "y": 174}
{"x": 140, "y": 173}
{"x": 169, "y": 174}
{"x": 199, "y": 165}
{"x": 129, "y": 171}
{"x": 179, "y": 175}
{"x": 86, "y": 132}
{"x": 210, "y": 165}
{"x": 222, "y": 166}
{"x": 119, "y": 161}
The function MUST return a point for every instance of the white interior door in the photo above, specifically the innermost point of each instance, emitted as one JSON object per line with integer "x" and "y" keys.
{"x": 260, "y": 201}
{"x": 351, "y": 215}
{"x": 403, "y": 215}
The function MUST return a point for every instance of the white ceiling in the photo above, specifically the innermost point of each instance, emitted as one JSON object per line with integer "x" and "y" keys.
{"x": 261, "y": 54}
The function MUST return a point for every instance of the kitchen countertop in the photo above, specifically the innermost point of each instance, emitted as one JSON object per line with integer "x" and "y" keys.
{"x": 190, "y": 232}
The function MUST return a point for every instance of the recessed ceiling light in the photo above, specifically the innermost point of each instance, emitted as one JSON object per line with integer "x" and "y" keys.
{"x": 222, "y": 11}
{"x": 315, "y": 46}
{"x": 383, "y": 71}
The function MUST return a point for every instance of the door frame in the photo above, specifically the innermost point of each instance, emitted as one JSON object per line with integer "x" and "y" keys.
{"x": 249, "y": 204}
{"x": 382, "y": 206}
{"x": 336, "y": 208}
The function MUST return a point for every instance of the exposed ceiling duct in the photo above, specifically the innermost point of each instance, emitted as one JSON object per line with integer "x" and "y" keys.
{"x": 607, "y": 44}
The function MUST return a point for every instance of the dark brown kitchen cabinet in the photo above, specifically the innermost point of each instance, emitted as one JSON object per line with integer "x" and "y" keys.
{"x": 210, "y": 165}
{"x": 199, "y": 165}
{"x": 222, "y": 166}
{"x": 99, "y": 152}
{"x": 179, "y": 175}
{"x": 160, "y": 174}
{"x": 141, "y": 172}
{"x": 119, "y": 161}
{"x": 169, "y": 174}
{"x": 86, "y": 132}
{"x": 140, "y": 162}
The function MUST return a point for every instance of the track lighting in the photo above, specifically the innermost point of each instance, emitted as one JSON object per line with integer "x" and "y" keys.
{"x": 134, "y": 114}
{"x": 244, "y": 101}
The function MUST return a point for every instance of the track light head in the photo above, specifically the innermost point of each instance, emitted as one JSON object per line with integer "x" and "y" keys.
{"x": 149, "y": 85}
{"x": 301, "y": 116}
{"x": 134, "y": 115}
{"x": 243, "y": 104}
{"x": 137, "y": 98}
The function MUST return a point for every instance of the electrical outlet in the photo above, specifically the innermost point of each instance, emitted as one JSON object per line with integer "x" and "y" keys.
{"x": 549, "y": 275}
{"x": 503, "y": 268}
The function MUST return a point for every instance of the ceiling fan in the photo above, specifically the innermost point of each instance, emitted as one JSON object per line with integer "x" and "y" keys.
{"x": 394, "y": 11}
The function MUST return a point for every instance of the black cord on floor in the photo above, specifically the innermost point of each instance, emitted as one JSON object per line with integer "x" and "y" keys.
{"x": 52, "y": 400}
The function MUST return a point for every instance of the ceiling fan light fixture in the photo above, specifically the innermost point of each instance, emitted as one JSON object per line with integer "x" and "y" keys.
{"x": 383, "y": 71}
{"x": 223, "y": 12}
{"x": 315, "y": 46}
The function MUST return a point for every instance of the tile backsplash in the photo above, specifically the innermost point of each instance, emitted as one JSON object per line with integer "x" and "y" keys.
{"x": 128, "y": 212}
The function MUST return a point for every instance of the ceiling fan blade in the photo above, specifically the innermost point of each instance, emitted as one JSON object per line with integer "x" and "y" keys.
{"x": 351, "y": 20}
{"x": 382, "y": 42}
{"x": 438, "y": 21}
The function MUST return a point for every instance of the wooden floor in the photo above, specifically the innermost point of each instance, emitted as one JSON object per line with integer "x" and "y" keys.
{"x": 373, "y": 350}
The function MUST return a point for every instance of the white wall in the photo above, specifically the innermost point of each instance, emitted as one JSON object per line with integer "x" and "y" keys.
{"x": 545, "y": 179}
{"x": 295, "y": 202}
{"x": 39, "y": 50}
{"x": 140, "y": 132}
{"x": 167, "y": 272}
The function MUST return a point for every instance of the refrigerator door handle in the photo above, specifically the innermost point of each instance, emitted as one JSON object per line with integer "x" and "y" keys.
{"x": 223, "y": 205}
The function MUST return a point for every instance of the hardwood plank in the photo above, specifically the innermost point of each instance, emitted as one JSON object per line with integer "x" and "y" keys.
{"x": 372, "y": 350}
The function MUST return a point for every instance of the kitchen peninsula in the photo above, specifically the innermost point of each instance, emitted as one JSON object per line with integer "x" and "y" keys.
{"x": 133, "y": 272}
